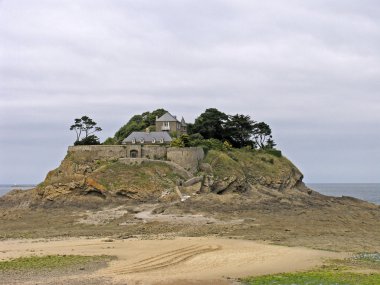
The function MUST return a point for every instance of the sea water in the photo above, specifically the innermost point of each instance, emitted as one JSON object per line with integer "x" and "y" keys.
{"x": 5, "y": 188}
{"x": 365, "y": 191}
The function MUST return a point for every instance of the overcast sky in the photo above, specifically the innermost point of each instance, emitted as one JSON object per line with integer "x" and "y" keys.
{"x": 310, "y": 69}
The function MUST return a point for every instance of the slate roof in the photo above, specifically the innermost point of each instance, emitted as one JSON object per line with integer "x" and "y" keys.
{"x": 167, "y": 117}
{"x": 183, "y": 123}
{"x": 148, "y": 136}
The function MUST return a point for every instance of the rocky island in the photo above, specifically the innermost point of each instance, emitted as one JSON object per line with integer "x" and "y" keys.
{"x": 194, "y": 201}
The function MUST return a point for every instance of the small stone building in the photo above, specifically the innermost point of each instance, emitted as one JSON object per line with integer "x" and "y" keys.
{"x": 169, "y": 123}
{"x": 153, "y": 145}
{"x": 147, "y": 144}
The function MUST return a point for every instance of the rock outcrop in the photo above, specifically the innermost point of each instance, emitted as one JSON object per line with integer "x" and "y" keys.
{"x": 242, "y": 170}
{"x": 87, "y": 181}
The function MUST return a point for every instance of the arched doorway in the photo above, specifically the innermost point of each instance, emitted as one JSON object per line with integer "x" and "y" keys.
{"x": 133, "y": 153}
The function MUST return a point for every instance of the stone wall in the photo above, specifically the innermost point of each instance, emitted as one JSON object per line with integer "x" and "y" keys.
{"x": 188, "y": 157}
{"x": 119, "y": 151}
{"x": 136, "y": 147}
{"x": 154, "y": 152}
{"x": 100, "y": 151}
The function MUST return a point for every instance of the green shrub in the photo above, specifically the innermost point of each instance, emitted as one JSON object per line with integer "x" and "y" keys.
{"x": 90, "y": 140}
{"x": 274, "y": 152}
{"x": 185, "y": 139}
{"x": 177, "y": 142}
{"x": 227, "y": 145}
{"x": 174, "y": 134}
{"x": 214, "y": 144}
{"x": 109, "y": 141}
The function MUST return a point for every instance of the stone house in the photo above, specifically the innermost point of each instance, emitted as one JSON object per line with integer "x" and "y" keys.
{"x": 148, "y": 137}
{"x": 153, "y": 144}
{"x": 141, "y": 144}
{"x": 170, "y": 123}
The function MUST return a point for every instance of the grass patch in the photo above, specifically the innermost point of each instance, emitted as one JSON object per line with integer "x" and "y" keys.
{"x": 255, "y": 165}
{"x": 325, "y": 276}
{"x": 144, "y": 176}
{"x": 50, "y": 262}
{"x": 223, "y": 164}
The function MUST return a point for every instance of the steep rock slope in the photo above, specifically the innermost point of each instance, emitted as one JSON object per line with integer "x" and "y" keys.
{"x": 240, "y": 170}
{"x": 83, "y": 181}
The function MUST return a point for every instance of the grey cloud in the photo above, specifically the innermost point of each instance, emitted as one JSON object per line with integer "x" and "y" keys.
{"x": 310, "y": 69}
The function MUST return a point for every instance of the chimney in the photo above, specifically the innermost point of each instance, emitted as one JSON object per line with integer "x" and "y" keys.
{"x": 175, "y": 117}
{"x": 147, "y": 130}
{"x": 156, "y": 118}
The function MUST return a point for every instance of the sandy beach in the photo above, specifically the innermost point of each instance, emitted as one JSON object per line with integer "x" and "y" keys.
{"x": 206, "y": 260}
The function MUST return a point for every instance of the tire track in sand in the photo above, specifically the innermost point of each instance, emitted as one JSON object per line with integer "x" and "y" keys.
{"x": 166, "y": 259}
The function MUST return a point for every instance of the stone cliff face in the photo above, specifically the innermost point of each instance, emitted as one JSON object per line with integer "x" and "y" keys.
{"x": 240, "y": 171}
{"x": 81, "y": 180}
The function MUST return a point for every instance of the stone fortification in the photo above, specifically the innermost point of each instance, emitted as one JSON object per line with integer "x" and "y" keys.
{"x": 154, "y": 152}
{"x": 188, "y": 158}
{"x": 120, "y": 151}
{"x": 99, "y": 152}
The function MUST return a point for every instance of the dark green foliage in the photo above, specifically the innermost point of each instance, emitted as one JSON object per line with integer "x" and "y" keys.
{"x": 213, "y": 144}
{"x": 270, "y": 143}
{"x": 150, "y": 118}
{"x": 196, "y": 139}
{"x": 185, "y": 139}
{"x": 90, "y": 140}
{"x": 238, "y": 130}
{"x": 210, "y": 124}
{"x": 207, "y": 144}
{"x": 196, "y": 136}
{"x": 261, "y": 134}
{"x": 85, "y": 125}
{"x": 190, "y": 128}
{"x": 138, "y": 123}
{"x": 109, "y": 141}
{"x": 210, "y": 130}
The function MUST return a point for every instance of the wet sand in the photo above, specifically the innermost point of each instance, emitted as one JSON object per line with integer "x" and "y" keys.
{"x": 205, "y": 260}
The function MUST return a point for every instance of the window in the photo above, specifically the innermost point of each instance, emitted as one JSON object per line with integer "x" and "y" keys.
{"x": 153, "y": 140}
{"x": 161, "y": 140}
{"x": 165, "y": 126}
{"x": 141, "y": 140}
{"x": 133, "y": 140}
